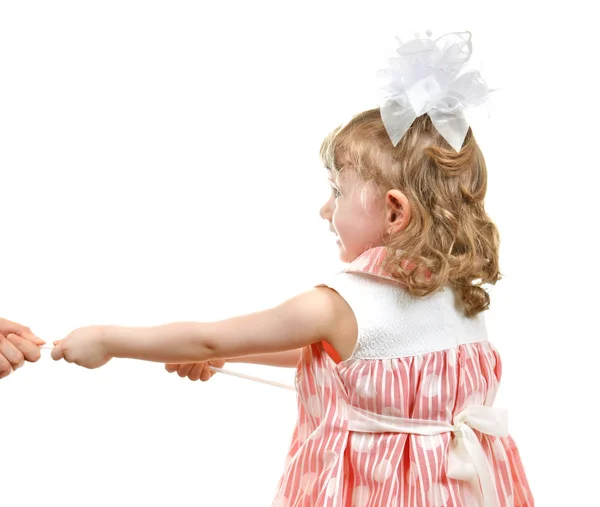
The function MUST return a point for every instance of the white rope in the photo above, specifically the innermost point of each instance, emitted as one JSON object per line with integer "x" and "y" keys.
{"x": 250, "y": 377}
{"x": 229, "y": 372}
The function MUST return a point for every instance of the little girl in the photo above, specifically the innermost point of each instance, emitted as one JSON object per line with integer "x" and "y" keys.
{"x": 395, "y": 375}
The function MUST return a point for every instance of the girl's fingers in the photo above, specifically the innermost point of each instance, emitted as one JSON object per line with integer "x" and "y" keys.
{"x": 11, "y": 353}
{"x": 184, "y": 369}
{"x": 171, "y": 368}
{"x": 30, "y": 351}
{"x": 206, "y": 372}
{"x": 196, "y": 371}
{"x": 58, "y": 353}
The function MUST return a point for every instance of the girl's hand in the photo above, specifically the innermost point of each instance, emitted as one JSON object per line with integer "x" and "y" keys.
{"x": 196, "y": 371}
{"x": 85, "y": 347}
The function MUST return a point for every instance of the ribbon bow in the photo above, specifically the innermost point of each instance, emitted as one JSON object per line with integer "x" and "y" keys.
{"x": 426, "y": 77}
{"x": 466, "y": 459}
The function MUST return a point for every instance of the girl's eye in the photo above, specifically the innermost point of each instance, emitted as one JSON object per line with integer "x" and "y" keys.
{"x": 336, "y": 192}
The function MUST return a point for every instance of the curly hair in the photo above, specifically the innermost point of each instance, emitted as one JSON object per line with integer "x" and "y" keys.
{"x": 449, "y": 235}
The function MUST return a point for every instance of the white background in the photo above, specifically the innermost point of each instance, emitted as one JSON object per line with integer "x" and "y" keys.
{"x": 158, "y": 162}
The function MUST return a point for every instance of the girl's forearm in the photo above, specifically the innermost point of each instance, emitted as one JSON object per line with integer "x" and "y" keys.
{"x": 181, "y": 342}
{"x": 286, "y": 359}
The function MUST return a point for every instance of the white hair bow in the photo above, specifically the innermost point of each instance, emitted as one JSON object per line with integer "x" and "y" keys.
{"x": 425, "y": 77}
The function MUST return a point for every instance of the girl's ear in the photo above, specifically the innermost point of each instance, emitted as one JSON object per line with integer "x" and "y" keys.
{"x": 398, "y": 211}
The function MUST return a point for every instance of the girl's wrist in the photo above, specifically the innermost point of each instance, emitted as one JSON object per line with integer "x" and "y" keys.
{"x": 109, "y": 336}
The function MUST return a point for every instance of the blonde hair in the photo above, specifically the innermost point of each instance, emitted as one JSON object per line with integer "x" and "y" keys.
{"x": 449, "y": 235}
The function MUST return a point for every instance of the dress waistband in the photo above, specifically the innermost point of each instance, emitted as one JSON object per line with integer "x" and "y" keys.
{"x": 466, "y": 459}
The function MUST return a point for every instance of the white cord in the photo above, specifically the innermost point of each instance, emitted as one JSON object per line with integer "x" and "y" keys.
{"x": 228, "y": 372}
{"x": 249, "y": 377}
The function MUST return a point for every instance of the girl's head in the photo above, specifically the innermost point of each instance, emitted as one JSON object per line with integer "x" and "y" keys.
{"x": 420, "y": 199}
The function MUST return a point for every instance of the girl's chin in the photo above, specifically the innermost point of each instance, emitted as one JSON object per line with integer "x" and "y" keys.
{"x": 344, "y": 255}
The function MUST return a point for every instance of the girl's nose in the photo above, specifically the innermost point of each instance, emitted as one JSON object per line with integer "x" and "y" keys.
{"x": 325, "y": 211}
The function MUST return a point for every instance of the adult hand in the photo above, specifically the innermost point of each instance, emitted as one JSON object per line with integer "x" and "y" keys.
{"x": 17, "y": 345}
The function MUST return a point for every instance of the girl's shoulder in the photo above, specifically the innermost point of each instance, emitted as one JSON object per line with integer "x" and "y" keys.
{"x": 390, "y": 322}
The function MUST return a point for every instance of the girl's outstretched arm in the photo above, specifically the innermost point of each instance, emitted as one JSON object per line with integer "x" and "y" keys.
{"x": 286, "y": 359}
{"x": 308, "y": 318}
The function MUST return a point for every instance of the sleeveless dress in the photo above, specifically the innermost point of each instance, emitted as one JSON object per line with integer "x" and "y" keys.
{"x": 407, "y": 420}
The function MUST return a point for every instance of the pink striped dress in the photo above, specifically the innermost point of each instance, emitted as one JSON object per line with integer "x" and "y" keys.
{"x": 407, "y": 419}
